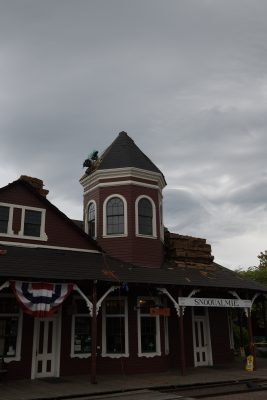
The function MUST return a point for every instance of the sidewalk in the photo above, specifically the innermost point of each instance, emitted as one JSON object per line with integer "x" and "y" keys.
{"x": 52, "y": 388}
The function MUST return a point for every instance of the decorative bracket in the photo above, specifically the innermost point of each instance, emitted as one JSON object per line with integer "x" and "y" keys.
{"x": 233, "y": 293}
{"x": 5, "y": 285}
{"x": 192, "y": 293}
{"x": 89, "y": 304}
{"x": 254, "y": 298}
{"x": 176, "y": 305}
{"x": 99, "y": 303}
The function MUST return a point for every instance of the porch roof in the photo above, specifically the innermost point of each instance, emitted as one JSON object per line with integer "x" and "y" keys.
{"x": 52, "y": 264}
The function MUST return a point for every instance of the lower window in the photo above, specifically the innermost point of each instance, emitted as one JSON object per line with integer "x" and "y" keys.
{"x": 148, "y": 329}
{"x": 81, "y": 344}
{"x": 10, "y": 329}
{"x": 115, "y": 328}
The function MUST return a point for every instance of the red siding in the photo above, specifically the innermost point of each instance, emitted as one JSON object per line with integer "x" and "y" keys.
{"x": 137, "y": 250}
{"x": 60, "y": 232}
{"x": 219, "y": 332}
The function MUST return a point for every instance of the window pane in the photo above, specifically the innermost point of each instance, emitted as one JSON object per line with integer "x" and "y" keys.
{"x": 82, "y": 336}
{"x": 148, "y": 335}
{"x": 4, "y": 216}
{"x": 115, "y": 216}
{"x": 115, "y": 306}
{"x": 145, "y": 217}
{"x": 145, "y": 305}
{"x": 80, "y": 306}
{"x": 32, "y": 223}
{"x": 115, "y": 335}
{"x": 8, "y": 336}
{"x": 115, "y": 206}
{"x": 8, "y": 305}
{"x": 91, "y": 220}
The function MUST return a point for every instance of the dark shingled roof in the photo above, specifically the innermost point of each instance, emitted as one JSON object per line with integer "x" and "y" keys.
{"x": 64, "y": 265}
{"x": 123, "y": 152}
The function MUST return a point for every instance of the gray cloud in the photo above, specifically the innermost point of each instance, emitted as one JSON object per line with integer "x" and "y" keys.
{"x": 187, "y": 80}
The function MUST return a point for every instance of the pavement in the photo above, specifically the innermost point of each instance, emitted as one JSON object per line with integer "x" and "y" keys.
{"x": 80, "y": 387}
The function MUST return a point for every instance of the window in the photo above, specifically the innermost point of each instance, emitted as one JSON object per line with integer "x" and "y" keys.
{"x": 32, "y": 223}
{"x": 10, "y": 329}
{"x": 4, "y": 217}
{"x": 29, "y": 220}
{"x": 91, "y": 220}
{"x": 148, "y": 329}
{"x": 115, "y": 216}
{"x": 81, "y": 331}
{"x": 145, "y": 217}
{"x": 145, "y": 214}
{"x": 115, "y": 328}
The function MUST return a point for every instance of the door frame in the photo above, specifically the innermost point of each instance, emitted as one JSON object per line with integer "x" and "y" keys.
{"x": 57, "y": 317}
{"x": 205, "y": 318}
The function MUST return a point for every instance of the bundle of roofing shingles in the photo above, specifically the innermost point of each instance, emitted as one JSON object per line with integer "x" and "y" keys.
{"x": 188, "y": 252}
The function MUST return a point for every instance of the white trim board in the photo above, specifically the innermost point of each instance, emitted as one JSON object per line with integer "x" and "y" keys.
{"x": 34, "y": 246}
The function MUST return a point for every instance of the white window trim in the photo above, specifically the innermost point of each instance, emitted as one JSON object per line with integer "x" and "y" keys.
{"x": 10, "y": 219}
{"x": 17, "y": 356}
{"x": 161, "y": 224}
{"x": 105, "y": 235}
{"x": 158, "y": 343}
{"x": 154, "y": 223}
{"x": 20, "y": 235}
{"x": 230, "y": 330}
{"x": 72, "y": 352}
{"x": 166, "y": 330}
{"x": 126, "y": 332}
{"x": 86, "y": 218}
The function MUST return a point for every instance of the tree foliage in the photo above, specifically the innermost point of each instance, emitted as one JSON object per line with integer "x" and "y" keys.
{"x": 257, "y": 273}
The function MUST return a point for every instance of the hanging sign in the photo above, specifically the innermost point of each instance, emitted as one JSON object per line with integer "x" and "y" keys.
{"x": 40, "y": 299}
{"x": 163, "y": 311}
{"x": 213, "y": 302}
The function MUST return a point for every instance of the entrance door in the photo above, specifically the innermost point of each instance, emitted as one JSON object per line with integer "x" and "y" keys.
{"x": 46, "y": 347}
{"x": 201, "y": 337}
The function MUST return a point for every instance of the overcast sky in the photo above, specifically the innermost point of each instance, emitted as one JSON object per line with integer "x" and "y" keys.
{"x": 187, "y": 79}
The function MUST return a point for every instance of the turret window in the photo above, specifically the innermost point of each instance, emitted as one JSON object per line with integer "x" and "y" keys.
{"x": 145, "y": 217}
{"x": 91, "y": 220}
{"x": 115, "y": 216}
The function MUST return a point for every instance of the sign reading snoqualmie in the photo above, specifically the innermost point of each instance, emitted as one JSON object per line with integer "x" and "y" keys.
{"x": 213, "y": 302}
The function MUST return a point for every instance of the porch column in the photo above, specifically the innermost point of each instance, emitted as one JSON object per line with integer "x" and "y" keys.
{"x": 94, "y": 335}
{"x": 250, "y": 337}
{"x": 264, "y": 317}
{"x": 240, "y": 323}
{"x": 181, "y": 336}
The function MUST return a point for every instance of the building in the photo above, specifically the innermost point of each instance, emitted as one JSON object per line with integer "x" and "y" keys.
{"x": 115, "y": 292}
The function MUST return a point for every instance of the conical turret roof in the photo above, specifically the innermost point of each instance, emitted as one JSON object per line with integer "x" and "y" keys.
{"x": 123, "y": 153}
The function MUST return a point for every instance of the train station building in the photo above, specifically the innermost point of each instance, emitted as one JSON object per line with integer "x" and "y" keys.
{"x": 116, "y": 292}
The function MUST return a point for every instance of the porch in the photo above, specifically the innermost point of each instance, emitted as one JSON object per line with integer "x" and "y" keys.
{"x": 52, "y": 388}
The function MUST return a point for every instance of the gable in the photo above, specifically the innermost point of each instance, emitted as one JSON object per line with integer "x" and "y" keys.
{"x": 32, "y": 219}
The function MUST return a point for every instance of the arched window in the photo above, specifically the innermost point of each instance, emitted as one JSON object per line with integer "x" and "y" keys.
{"x": 91, "y": 220}
{"x": 145, "y": 217}
{"x": 115, "y": 216}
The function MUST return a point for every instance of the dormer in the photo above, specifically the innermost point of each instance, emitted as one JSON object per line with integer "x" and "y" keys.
{"x": 123, "y": 203}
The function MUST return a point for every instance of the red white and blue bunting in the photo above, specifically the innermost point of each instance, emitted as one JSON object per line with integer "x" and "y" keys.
{"x": 40, "y": 299}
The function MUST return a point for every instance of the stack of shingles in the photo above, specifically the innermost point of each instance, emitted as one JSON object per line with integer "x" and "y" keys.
{"x": 36, "y": 183}
{"x": 188, "y": 252}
